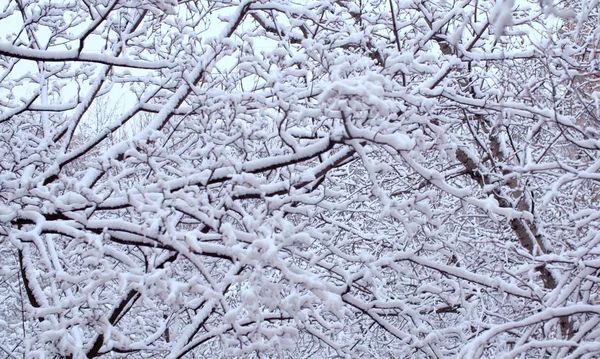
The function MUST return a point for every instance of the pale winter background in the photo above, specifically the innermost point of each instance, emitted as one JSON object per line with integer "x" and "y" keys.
{"x": 299, "y": 179}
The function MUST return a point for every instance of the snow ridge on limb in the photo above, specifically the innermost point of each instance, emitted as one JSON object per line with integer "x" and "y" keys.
{"x": 77, "y": 56}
